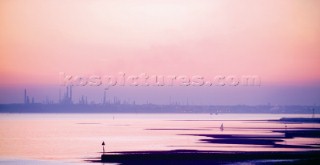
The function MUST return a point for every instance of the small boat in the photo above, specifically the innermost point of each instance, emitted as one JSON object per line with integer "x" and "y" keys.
{"x": 221, "y": 127}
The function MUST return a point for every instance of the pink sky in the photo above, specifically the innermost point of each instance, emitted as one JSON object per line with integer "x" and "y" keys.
{"x": 277, "y": 40}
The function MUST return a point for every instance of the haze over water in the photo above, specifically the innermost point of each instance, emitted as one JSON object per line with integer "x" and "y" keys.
{"x": 275, "y": 40}
{"x": 207, "y": 46}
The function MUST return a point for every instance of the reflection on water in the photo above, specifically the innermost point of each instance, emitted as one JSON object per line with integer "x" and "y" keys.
{"x": 32, "y": 162}
{"x": 73, "y": 137}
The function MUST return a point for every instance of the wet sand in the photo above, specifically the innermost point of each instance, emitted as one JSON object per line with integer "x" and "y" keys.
{"x": 193, "y": 157}
{"x": 190, "y": 157}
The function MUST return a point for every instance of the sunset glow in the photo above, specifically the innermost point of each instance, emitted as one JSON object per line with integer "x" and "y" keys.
{"x": 277, "y": 40}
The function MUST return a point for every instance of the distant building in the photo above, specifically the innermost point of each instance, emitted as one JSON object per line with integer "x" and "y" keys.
{"x": 26, "y": 97}
{"x": 67, "y": 98}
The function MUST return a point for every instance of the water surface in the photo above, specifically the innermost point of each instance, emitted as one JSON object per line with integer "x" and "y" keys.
{"x": 72, "y": 138}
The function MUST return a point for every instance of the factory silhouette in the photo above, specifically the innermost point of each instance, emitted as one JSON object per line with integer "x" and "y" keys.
{"x": 66, "y": 104}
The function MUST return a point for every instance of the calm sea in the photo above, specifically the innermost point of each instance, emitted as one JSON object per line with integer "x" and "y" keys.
{"x": 72, "y": 138}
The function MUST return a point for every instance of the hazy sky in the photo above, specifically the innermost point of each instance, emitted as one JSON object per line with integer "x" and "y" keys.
{"x": 278, "y": 40}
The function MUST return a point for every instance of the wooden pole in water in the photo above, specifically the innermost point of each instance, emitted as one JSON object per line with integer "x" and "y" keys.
{"x": 103, "y": 146}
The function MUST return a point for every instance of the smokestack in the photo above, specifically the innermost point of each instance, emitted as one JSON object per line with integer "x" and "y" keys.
{"x": 104, "y": 97}
{"x": 59, "y": 96}
{"x": 70, "y": 94}
{"x": 67, "y": 92}
{"x": 25, "y": 96}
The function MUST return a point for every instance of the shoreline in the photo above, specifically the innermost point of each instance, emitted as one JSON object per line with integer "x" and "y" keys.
{"x": 191, "y": 157}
